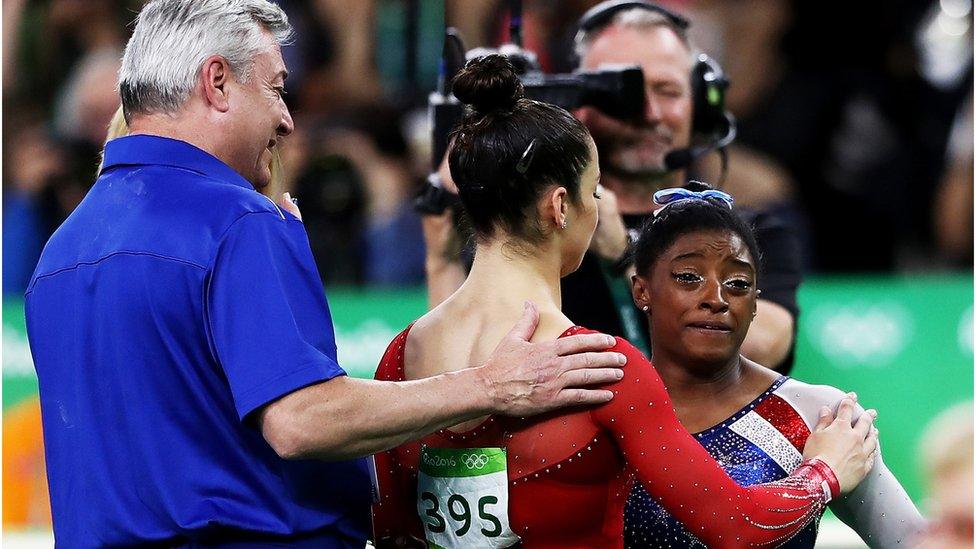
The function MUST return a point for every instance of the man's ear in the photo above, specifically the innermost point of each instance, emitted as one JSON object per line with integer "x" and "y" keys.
{"x": 640, "y": 290}
{"x": 214, "y": 76}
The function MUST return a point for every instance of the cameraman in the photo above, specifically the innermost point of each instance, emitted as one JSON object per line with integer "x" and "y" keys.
{"x": 632, "y": 157}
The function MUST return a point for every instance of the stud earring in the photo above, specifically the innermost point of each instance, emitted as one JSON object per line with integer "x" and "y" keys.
{"x": 563, "y": 226}
{"x": 646, "y": 308}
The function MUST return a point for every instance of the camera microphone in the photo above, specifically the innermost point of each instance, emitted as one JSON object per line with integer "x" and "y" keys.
{"x": 682, "y": 158}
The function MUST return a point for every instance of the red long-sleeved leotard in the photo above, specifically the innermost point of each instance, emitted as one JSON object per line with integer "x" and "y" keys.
{"x": 570, "y": 472}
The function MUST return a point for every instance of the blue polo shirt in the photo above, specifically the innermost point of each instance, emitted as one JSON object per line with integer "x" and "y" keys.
{"x": 173, "y": 303}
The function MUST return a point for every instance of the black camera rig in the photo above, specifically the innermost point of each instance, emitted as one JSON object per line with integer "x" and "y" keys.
{"x": 617, "y": 92}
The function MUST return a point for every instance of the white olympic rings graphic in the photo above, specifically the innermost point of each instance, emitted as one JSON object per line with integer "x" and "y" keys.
{"x": 474, "y": 461}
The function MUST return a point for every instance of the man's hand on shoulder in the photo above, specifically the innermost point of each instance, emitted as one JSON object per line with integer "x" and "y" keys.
{"x": 343, "y": 417}
{"x": 523, "y": 378}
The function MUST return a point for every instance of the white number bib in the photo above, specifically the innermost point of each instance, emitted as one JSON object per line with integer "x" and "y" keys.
{"x": 462, "y": 497}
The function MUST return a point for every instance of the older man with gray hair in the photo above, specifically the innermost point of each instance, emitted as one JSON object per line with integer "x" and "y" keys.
{"x": 189, "y": 385}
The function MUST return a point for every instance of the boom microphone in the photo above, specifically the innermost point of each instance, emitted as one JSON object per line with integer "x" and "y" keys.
{"x": 682, "y": 158}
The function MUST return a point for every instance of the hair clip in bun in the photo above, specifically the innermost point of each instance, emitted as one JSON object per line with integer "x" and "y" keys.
{"x": 523, "y": 164}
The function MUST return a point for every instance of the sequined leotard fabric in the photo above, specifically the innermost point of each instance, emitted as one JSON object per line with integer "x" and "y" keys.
{"x": 763, "y": 442}
{"x": 570, "y": 473}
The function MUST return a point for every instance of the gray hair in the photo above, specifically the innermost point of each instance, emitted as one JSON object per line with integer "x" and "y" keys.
{"x": 633, "y": 18}
{"x": 173, "y": 38}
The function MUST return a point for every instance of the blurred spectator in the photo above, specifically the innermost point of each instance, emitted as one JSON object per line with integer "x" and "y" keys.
{"x": 953, "y": 206}
{"x": 947, "y": 457}
{"x": 50, "y": 38}
{"x": 51, "y": 163}
{"x": 332, "y": 203}
{"x": 44, "y": 179}
{"x": 13, "y": 12}
{"x": 31, "y": 162}
{"x": 331, "y": 63}
{"x": 358, "y": 53}
{"x": 89, "y": 98}
{"x": 355, "y": 184}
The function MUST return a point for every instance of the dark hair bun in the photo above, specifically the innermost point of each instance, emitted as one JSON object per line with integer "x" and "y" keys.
{"x": 697, "y": 186}
{"x": 488, "y": 84}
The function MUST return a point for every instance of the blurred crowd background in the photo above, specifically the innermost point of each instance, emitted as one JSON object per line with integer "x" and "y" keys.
{"x": 855, "y": 121}
{"x": 855, "y": 118}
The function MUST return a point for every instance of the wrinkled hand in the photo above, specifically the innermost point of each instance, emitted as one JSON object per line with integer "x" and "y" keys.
{"x": 610, "y": 239}
{"x": 289, "y": 205}
{"x": 526, "y": 378}
{"x": 849, "y": 450}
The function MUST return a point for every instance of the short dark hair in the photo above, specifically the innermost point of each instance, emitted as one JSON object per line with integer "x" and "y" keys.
{"x": 508, "y": 150}
{"x": 685, "y": 217}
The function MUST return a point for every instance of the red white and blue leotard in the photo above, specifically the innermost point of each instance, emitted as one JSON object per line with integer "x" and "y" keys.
{"x": 570, "y": 472}
{"x": 763, "y": 442}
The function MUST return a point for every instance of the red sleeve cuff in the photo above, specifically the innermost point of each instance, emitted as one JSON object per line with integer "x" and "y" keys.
{"x": 818, "y": 470}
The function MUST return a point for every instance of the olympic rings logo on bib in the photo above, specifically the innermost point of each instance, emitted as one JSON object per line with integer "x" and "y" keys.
{"x": 474, "y": 461}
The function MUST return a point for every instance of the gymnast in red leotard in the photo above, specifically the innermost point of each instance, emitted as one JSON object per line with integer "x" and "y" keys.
{"x": 527, "y": 175}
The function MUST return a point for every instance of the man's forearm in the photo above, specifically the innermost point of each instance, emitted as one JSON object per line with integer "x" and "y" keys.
{"x": 345, "y": 417}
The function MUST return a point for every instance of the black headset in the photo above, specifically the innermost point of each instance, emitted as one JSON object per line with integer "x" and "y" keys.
{"x": 708, "y": 82}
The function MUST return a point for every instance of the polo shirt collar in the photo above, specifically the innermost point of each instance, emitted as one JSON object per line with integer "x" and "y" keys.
{"x": 134, "y": 150}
